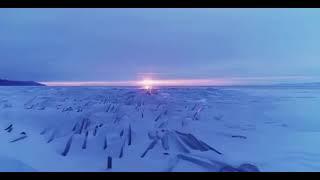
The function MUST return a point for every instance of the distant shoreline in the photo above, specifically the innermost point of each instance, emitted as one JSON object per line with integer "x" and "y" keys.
{"x": 4, "y": 82}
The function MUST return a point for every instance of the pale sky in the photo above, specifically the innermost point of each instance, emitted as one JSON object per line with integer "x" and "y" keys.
{"x": 257, "y": 45}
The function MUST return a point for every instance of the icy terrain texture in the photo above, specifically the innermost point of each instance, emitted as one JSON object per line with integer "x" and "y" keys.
{"x": 168, "y": 129}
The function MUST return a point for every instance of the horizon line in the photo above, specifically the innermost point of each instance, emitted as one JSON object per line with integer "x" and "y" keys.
{"x": 184, "y": 82}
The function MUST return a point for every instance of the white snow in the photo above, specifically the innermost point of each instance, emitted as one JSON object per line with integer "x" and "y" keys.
{"x": 275, "y": 128}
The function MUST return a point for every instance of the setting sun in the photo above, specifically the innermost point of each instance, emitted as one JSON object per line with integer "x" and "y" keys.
{"x": 147, "y": 84}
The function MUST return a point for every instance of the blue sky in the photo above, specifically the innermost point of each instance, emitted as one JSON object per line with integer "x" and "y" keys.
{"x": 124, "y": 44}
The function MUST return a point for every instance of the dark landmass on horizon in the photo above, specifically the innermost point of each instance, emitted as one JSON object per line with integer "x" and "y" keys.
{"x": 4, "y": 82}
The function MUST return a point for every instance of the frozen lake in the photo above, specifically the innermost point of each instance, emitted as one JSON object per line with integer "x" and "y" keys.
{"x": 169, "y": 129}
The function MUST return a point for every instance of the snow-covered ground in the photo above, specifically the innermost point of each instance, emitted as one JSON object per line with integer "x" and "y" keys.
{"x": 171, "y": 129}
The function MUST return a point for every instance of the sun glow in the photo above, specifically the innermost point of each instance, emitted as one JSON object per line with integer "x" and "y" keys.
{"x": 147, "y": 84}
{"x": 147, "y": 87}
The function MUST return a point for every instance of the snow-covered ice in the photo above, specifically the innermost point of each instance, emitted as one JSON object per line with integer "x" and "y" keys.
{"x": 169, "y": 129}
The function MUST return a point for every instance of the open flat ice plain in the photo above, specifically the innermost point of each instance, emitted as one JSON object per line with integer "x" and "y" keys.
{"x": 170, "y": 129}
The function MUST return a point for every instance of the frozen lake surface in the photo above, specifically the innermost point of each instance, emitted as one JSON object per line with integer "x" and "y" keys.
{"x": 169, "y": 129}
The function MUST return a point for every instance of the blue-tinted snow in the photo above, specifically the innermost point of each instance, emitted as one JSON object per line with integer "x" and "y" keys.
{"x": 171, "y": 129}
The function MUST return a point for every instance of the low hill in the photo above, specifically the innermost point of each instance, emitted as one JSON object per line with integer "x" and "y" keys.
{"x": 4, "y": 82}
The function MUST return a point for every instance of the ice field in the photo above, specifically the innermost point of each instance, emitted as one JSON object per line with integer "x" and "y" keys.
{"x": 168, "y": 129}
